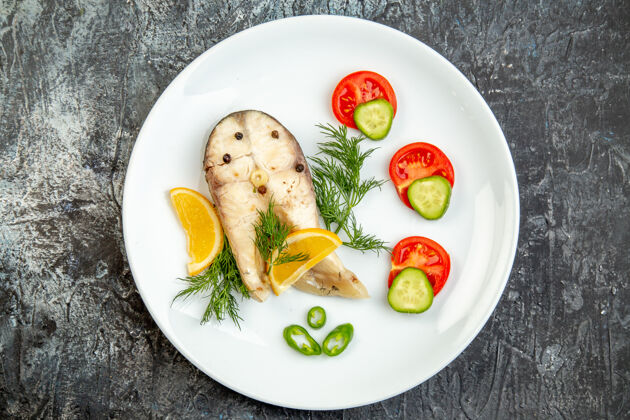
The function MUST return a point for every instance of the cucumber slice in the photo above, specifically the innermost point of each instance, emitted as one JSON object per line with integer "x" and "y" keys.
{"x": 430, "y": 196}
{"x": 411, "y": 291}
{"x": 374, "y": 118}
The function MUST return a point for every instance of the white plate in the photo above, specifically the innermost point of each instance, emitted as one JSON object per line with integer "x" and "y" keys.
{"x": 289, "y": 68}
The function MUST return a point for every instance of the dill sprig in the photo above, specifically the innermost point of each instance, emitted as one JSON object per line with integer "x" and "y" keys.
{"x": 271, "y": 239}
{"x": 218, "y": 282}
{"x": 336, "y": 173}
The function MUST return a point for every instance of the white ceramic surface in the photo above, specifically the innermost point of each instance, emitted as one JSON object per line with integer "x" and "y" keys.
{"x": 289, "y": 68}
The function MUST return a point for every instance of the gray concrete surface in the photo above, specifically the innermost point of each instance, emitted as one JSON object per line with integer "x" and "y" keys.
{"x": 77, "y": 79}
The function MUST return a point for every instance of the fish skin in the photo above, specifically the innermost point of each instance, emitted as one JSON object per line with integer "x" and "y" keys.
{"x": 237, "y": 201}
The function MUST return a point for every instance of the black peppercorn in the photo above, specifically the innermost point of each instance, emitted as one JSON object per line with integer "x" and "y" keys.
{"x": 274, "y": 134}
{"x": 262, "y": 189}
{"x": 238, "y": 135}
{"x": 227, "y": 158}
{"x": 299, "y": 167}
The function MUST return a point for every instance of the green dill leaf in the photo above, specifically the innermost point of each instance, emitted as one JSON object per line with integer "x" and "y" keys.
{"x": 362, "y": 241}
{"x": 271, "y": 237}
{"x": 284, "y": 258}
{"x": 336, "y": 174}
{"x": 218, "y": 283}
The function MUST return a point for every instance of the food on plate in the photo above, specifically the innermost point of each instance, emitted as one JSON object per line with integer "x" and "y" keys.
{"x": 415, "y": 161}
{"x": 219, "y": 283}
{"x": 411, "y": 291}
{"x": 338, "y": 339}
{"x": 334, "y": 344}
{"x": 339, "y": 188}
{"x": 314, "y": 244}
{"x": 316, "y": 317}
{"x": 300, "y": 340}
{"x": 420, "y": 267}
{"x": 430, "y": 196}
{"x": 357, "y": 88}
{"x": 271, "y": 238}
{"x": 201, "y": 223}
{"x": 248, "y": 141}
{"x": 425, "y": 254}
{"x": 374, "y": 118}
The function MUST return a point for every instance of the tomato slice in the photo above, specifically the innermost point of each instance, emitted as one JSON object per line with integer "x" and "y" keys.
{"x": 356, "y": 88}
{"x": 418, "y": 160}
{"x": 422, "y": 253}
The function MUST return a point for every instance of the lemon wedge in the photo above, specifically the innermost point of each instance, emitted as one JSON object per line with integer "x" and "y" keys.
{"x": 203, "y": 229}
{"x": 314, "y": 242}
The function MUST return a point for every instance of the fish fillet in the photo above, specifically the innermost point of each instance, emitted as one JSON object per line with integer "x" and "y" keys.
{"x": 240, "y": 144}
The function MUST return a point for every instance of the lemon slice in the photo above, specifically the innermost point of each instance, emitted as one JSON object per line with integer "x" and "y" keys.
{"x": 316, "y": 243}
{"x": 201, "y": 222}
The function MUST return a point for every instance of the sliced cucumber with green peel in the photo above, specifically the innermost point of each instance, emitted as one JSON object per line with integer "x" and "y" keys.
{"x": 411, "y": 291}
{"x": 374, "y": 118}
{"x": 430, "y": 196}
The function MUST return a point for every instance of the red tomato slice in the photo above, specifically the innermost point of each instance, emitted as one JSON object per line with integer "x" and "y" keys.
{"x": 356, "y": 88}
{"x": 418, "y": 160}
{"x": 425, "y": 254}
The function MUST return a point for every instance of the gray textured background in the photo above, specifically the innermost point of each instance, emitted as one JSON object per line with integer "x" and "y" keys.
{"x": 77, "y": 79}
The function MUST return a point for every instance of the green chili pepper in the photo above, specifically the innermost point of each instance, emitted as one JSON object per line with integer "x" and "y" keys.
{"x": 309, "y": 348}
{"x": 338, "y": 339}
{"x": 316, "y": 317}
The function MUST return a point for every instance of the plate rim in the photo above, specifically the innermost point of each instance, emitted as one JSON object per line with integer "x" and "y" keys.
{"x": 339, "y": 19}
